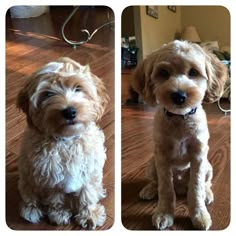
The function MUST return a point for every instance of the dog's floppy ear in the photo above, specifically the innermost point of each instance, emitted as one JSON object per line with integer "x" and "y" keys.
{"x": 142, "y": 83}
{"x": 23, "y": 98}
{"x": 24, "y": 95}
{"x": 103, "y": 97}
{"x": 217, "y": 74}
{"x": 22, "y": 101}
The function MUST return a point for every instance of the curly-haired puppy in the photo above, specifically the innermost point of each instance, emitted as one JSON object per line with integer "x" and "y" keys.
{"x": 179, "y": 77}
{"x": 63, "y": 154}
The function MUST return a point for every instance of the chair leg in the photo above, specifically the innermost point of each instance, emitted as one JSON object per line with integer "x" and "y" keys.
{"x": 89, "y": 35}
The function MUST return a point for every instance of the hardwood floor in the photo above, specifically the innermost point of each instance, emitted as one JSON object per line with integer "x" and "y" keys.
{"x": 31, "y": 43}
{"x": 137, "y": 146}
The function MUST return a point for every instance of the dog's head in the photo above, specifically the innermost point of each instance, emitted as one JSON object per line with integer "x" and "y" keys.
{"x": 179, "y": 76}
{"x": 62, "y": 97}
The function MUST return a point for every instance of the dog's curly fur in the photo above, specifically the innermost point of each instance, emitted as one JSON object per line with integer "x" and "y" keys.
{"x": 179, "y": 161}
{"x": 62, "y": 154}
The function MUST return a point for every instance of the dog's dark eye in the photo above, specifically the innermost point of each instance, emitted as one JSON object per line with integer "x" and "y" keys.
{"x": 49, "y": 94}
{"x": 77, "y": 89}
{"x": 193, "y": 72}
{"x": 45, "y": 95}
{"x": 164, "y": 73}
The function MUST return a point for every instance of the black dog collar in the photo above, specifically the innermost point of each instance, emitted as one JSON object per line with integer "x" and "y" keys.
{"x": 170, "y": 114}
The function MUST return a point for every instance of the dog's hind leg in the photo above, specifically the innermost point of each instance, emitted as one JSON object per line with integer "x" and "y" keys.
{"x": 209, "y": 194}
{"x": 149, "y": 191}
{"x": 29, "y": 209}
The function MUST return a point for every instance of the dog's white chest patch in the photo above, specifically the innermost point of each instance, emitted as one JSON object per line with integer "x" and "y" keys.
{"x": 69, "y": 164}
{"x": 65, "y": 167}
{"x": 76, "y": 170}
{"x": 72, "y": 183}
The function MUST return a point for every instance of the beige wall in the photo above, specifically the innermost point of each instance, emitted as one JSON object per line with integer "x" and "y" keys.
{"x": 156, "y": 32}
{"x": 212, "y": 22}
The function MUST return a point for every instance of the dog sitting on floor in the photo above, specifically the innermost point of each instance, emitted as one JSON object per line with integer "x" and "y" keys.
{"x": 63, "y": 154}
{"x": 179, "y": 77}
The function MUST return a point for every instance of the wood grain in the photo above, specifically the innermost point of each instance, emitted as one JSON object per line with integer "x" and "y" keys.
{"x": 137, "y": 146}
{"x": 30, "y": 43}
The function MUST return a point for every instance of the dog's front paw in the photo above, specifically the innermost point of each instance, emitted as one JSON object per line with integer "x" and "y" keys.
{"x": 162, "y": 220}
{"x": 31, "y": 213}
{"x": 90, "y": 219}
{"x": 59, "y": 217}
{"x": 202, "y": 220}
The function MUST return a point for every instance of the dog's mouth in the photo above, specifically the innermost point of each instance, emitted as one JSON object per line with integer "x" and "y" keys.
{"x": 68, "y": 128}
{"x": 70, "y": 122}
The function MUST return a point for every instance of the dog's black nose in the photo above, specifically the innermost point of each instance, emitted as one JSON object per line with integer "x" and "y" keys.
{"x": 69, "y": 113}
{"x": 178, "y": 97}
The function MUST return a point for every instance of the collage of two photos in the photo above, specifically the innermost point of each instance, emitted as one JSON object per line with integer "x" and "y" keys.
{"x": 175, "y": 118}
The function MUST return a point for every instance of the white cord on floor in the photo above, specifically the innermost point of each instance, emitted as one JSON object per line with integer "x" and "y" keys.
{"x": 218, "y": 102}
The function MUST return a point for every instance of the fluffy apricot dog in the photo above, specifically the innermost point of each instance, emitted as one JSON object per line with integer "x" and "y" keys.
{"x": 179, "y": 77}
{"x": 62, "y": 155}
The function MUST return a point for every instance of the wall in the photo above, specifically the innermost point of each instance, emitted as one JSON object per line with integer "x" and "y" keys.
{"x": 156, "y": 32}
{"x": 127, "y": 22}
{"x": 212, "y": 22}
